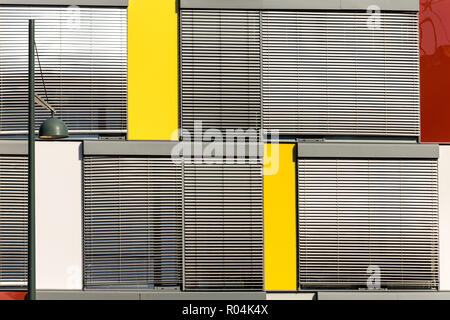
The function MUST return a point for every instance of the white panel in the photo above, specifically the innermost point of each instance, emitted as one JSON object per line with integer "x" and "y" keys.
{"x": 290, "y": 296}
{"x": 444, "y": 217}
{"x": 58, "y": 215}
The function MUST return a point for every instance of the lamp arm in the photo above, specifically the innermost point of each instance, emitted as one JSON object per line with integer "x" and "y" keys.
{"x": 38, "y": 100}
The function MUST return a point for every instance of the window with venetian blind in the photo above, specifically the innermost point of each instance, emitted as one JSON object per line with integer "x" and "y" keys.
{"x": 13, "y": 220}
{"x": 223, "y": 226}
{"x": 301, "y": 72}
{"x": 132, "y": 222}
{"x": 83, "y": 53}
{"x": 359, "y": 215}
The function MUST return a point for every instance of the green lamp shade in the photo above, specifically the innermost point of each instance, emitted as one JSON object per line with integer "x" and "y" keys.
{"x": 53, "y": 128}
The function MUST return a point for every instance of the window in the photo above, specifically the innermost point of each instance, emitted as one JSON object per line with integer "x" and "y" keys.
{"x": 330, "y": 73}
{"x": 360, "y": 217}
{"x": 13, "y": 215}
{"x": 223, "y": 219}
{"x": 220, "y": 70}
{"x": 132, "y": 222}
{"x": 303, "y": 73}
{"x": 83, "y": 53}
{"x": 151, "y": 221}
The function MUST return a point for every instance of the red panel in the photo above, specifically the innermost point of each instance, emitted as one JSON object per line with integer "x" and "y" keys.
{"x": 435, "y": 70}
{"x": 12, "y": 295}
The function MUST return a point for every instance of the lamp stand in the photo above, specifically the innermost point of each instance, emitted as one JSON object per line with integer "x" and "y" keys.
{"x": 31, "y": 157}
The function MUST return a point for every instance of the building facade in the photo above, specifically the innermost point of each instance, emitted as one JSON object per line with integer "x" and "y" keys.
{"x": 229, "y": 149}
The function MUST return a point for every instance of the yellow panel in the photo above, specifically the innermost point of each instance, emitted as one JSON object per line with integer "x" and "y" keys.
{"x": 153, "y": 69}
{"x": 280, "y": 218}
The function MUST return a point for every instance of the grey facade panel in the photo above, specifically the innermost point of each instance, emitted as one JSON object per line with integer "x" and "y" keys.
{"x": 220, "y": 4}
{"x": 90, "y": 3}
{"x": 228, "y": 150}
{"x": 367, "y": 150}
{"x": 165, "y": 148}
{"x": 86, "y": 295}
{"x": 145, "y": 295}
{"x": 301, "y": 4}
{"x": 401, "y": 5}
{"x": 142, "y": 148}
{"x": 202, "y": 296}
{"x": 152, "y": 295}
{"x": 13, "y": 147}
{"x": 402, "y": 295}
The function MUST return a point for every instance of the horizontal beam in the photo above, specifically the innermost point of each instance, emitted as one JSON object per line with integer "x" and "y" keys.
{"x": 88, "y": 3}
{"x": 78, "y": 132}
{"x": 169, "y": 148}
{"x": 138, "y": 148}
{"x": 367, "y": 150}
{"x": 304, "y": 150}
{"x": 179, "y": 295}
{"x": 385, "y": 5}
{"x": 383, "y": 295}
{"x": 145, "y": 295}
{"x": 13, "y": 147}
